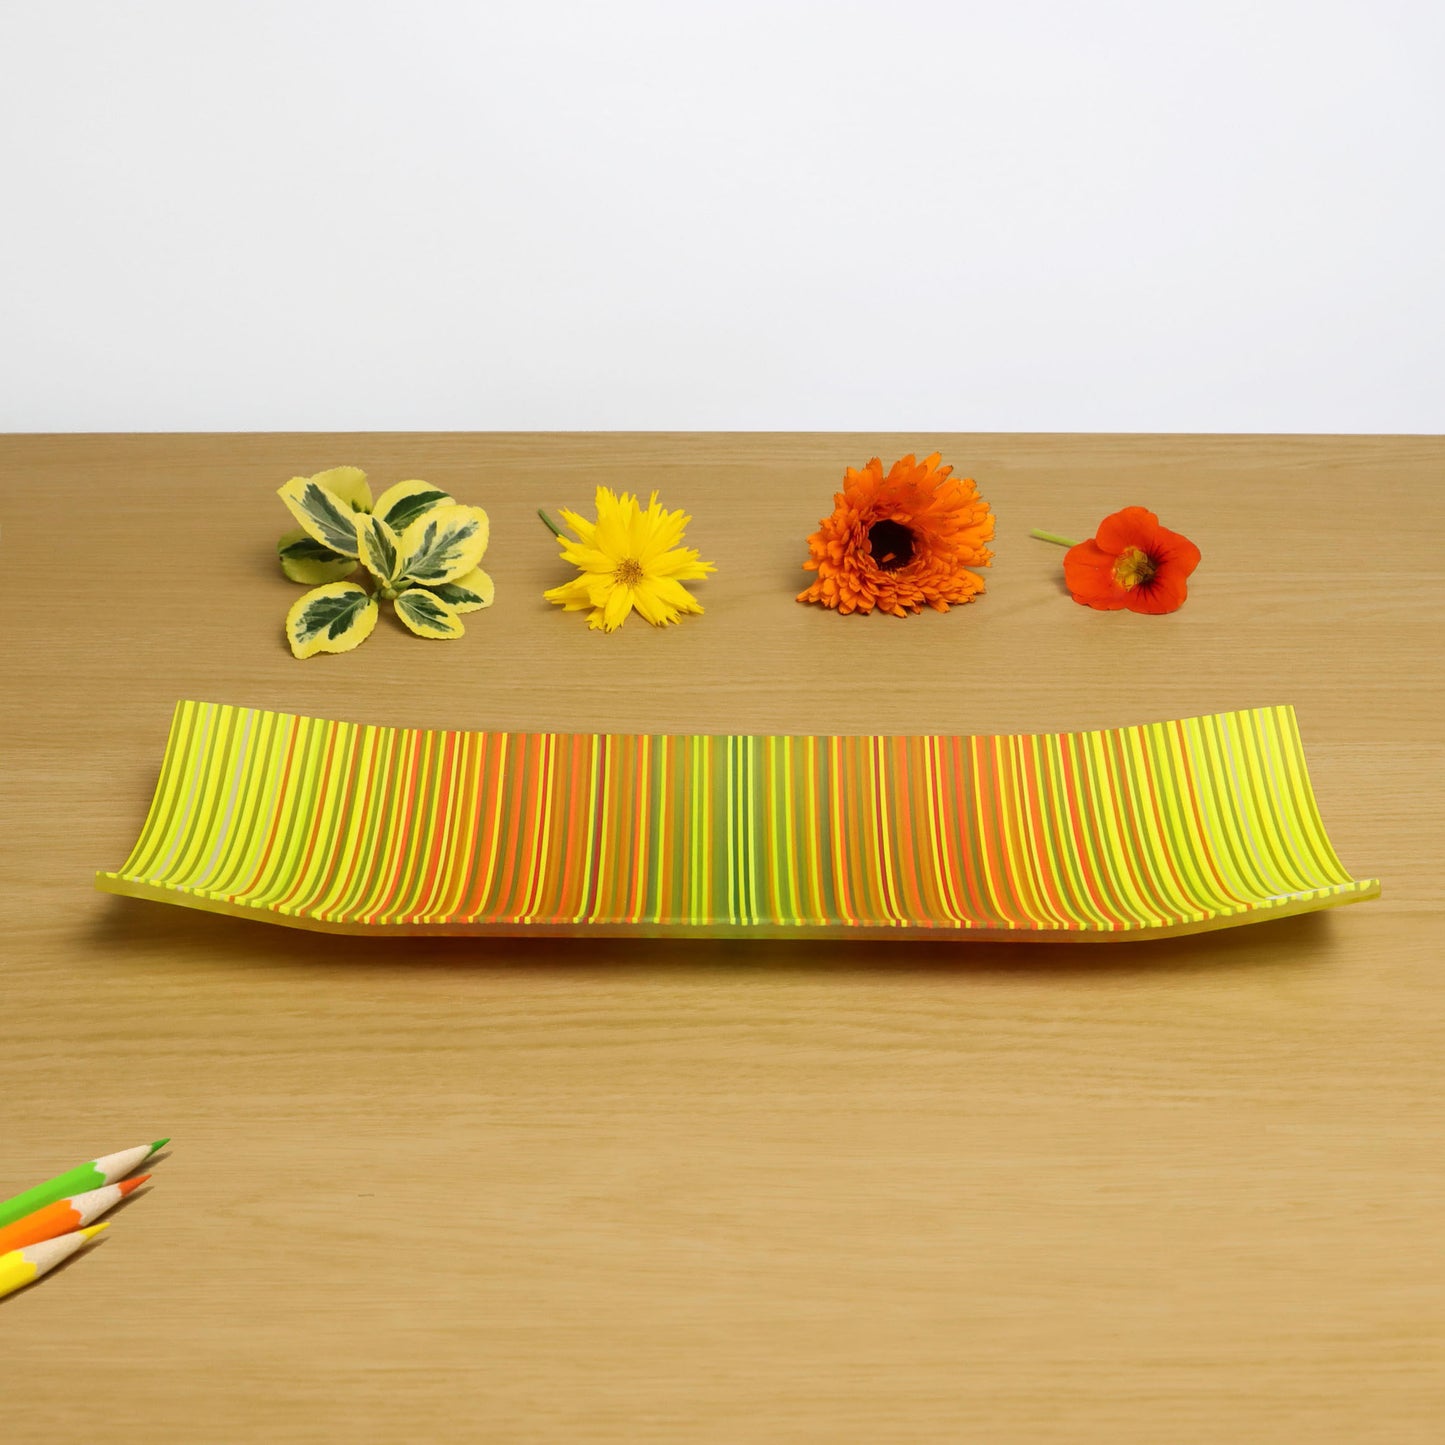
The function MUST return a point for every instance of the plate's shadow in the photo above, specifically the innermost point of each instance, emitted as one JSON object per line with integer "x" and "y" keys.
{"x": 137, "y": 930}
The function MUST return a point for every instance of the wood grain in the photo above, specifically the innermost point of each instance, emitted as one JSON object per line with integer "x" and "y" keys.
{"x": 1179, "y": 1191}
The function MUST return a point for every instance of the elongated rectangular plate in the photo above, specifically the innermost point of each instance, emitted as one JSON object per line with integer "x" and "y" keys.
{"x": 1133, "y": 832}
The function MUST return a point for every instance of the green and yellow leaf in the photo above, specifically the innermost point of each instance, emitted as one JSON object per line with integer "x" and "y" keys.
{"x": 324, "y": 516}
{"x": 305, "y": 560}
{"x": 401, "y": 505}
{"x": 427, "y": 615}
{"x": 348, "y": 483}
{"x": 444, "y": 544}
{"x": 379, "y": 546}
{"x": 334, "y": 618}
{"x": 468, "y": 593}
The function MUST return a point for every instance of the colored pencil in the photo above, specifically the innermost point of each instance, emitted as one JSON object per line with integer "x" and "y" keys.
{"x": 22, "y": 1266}
{"x": 96, "y": 1174}
{"x": 66, "y": 1215}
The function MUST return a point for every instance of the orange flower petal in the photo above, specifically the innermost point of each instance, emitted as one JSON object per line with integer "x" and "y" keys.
{"x": 1166, "y": 593}
{"x": 1089, "y": 575}
{"x": 1131, "y": 527}
{"x": 1108, "y": 572}
{"x": 947, "y": 524}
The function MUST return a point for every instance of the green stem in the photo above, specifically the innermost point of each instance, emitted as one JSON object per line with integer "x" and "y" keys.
{"x": 552, "y": 527}
{"x": 1053, "y": 537}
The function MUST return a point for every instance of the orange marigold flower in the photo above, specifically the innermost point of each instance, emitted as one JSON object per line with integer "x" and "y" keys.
{"x": 1132, "y": 562}
{"x": 899, "y": 541}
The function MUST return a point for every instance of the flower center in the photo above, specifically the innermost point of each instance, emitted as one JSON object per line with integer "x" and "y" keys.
{"x": 1134, "y": 568}
{"x": 629, "y": 572}
{"x": 891, "y": 544}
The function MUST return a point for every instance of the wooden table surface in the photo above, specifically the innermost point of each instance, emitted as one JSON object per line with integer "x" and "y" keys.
{"x": 1188, "y": 1190}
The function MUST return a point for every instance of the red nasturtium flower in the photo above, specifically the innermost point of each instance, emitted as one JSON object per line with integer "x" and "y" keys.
{"x": 1132, "y": 562}
{"x": 899, "y": 541}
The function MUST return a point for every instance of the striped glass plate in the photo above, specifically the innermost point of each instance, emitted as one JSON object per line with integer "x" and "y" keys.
{"x": 1132, "y": 832}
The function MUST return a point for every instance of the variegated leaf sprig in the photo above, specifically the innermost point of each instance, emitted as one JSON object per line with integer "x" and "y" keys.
{"x": 420, "y": 548}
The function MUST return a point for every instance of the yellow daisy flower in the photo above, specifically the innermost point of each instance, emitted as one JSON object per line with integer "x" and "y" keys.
{"x": 628, "y": 558}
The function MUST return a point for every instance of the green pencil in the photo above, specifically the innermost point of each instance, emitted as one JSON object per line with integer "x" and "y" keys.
{"x": 108, "y": 1169}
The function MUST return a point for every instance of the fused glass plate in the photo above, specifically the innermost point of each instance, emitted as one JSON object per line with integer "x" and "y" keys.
{"x": 1131, "y": 832}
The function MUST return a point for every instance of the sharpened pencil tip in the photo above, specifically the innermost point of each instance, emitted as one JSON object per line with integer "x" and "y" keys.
{"x": 92, "y": 1230}
{"x": 159, "y": 1145}
{"x": 129, "y": 1186}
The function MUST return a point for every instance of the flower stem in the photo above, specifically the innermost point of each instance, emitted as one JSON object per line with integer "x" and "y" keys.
{"x": 1053, "y": 537}
{"x": 552, "y": 527}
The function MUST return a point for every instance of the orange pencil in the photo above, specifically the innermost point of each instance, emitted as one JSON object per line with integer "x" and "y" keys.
{"x": 65, "y": 1215}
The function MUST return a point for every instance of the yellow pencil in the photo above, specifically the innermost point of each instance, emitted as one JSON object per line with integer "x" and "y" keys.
{"x": 22, "y": 1266}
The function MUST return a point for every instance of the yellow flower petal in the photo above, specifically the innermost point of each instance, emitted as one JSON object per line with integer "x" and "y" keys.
{"x": 589, "y": 559}
{"x": 650, "y": 605}
{"x": 612, "y": 533}
{"x": 619, "y": 604}
{"x": 665, "y": 534}
{"x": 584, "y": 529}
{"x": 628, "y": 560}
{"x": 673, "y": 592}
{"x": 573, "y": 595}
{"x": 682, "y": 564}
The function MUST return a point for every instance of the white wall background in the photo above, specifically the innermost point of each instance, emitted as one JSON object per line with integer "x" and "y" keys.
{"x": 1014, "y": 215}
